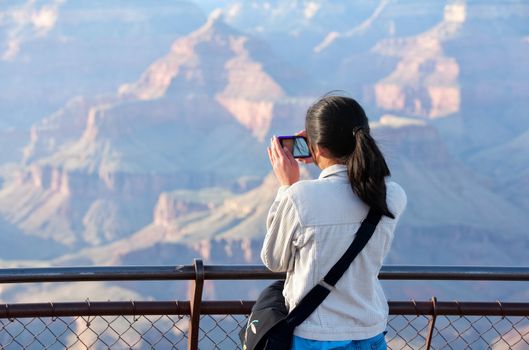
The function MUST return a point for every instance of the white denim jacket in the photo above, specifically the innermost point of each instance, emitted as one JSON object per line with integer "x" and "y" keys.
{"x": 309, "y": 227}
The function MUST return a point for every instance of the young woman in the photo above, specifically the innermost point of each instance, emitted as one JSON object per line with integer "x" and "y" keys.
{"x": 311, "y": 224}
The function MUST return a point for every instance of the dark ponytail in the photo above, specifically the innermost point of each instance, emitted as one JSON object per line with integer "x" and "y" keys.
{"x": 340, "y": 125}
{"x": 367, "y": 168}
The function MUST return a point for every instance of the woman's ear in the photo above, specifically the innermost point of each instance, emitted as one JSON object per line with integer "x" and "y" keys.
{"x": 322, "y": 152}
{"x": 319, "y": 153}
{"x": 322, "y": 157}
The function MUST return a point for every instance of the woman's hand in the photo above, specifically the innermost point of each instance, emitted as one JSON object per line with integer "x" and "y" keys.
{"x": 283, "y": 162}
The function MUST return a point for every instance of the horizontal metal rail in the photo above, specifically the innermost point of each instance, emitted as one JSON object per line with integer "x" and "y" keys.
{"x": 243, "y": 307}
{"x": 248, "y": 272}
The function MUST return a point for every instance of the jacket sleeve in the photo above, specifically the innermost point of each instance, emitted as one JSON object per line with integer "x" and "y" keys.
{"x": 282, "y": 225}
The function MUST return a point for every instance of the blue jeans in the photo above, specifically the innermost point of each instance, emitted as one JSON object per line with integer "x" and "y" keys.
{"x": 378, "y": 342}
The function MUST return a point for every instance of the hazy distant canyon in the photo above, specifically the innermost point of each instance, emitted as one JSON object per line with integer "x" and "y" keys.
{"x": 144, "y": 142}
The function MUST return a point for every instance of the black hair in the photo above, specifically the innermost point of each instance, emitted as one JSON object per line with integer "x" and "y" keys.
{"x": 340, "y": 125}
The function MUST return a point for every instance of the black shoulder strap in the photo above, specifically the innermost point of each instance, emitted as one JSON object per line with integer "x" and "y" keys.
{"x": 318, "y": 293}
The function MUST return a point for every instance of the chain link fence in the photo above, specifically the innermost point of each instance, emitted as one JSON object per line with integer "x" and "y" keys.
{"x": 481, "y": 332}
{"x": 458, "y": 332}
{"x": 222, "y": 332}
{"x": 99, "y": 332}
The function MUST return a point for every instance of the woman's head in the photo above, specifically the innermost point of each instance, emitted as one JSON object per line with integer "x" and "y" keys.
{"x": 339, "y": 126}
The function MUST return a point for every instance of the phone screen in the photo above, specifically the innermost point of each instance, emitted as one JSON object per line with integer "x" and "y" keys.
{"x": 297, "y": 145}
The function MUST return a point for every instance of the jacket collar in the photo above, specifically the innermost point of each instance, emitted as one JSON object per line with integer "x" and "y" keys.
{"x": 336, "y": 169}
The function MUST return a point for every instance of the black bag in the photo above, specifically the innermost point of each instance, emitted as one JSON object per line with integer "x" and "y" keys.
{"x": 268, "y": 312}
{"x": 270, "y": 326}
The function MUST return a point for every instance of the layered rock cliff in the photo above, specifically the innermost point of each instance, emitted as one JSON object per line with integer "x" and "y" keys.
{"x": 94, "y": 170}
{"x": 425, "y": 81}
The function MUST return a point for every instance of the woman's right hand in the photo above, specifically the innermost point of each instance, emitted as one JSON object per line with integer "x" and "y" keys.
{"x": 283, "y": 162}
{"x": 304, "y": 160}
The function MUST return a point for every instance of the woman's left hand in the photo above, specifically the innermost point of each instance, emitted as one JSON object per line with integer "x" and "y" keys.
{"x": 283, "y": 162}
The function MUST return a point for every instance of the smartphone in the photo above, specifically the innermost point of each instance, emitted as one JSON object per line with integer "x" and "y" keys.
{"x": 297, "y": 145}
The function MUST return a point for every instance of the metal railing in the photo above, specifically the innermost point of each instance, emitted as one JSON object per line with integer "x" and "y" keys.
{"x": 198, "y": 324}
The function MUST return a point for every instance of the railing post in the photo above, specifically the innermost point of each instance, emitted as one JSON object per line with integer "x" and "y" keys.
{"x": 431, "y": 327}
{"x": 196, "y": 300}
